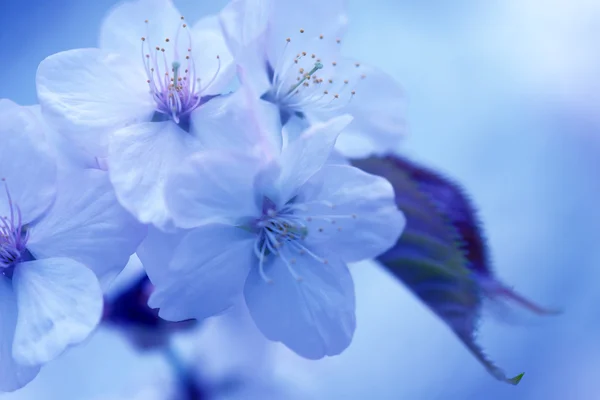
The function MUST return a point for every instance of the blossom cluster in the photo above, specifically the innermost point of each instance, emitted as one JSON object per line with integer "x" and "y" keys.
{"x": 217, "y": 152}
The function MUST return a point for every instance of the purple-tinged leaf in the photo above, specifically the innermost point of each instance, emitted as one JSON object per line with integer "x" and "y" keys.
{"x": 442, "y": 256}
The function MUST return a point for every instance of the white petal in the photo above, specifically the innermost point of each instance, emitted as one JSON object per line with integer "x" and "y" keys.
{"x": 363, "y": 220}
{"x": 235, "y": 122}
{"x": 156, "y": 251}
{"x": 294, "y": 128}
{"x": 124, "y": 26}
{"x": 59, "y": 302}
{"x": 212, "y": 187}
{"x": 206, "y": 274}
{"x": 306, "y": 155}
{"x": 290, "y": 16}
{"x": 13, "y": 376}
{"x": 379, "y": 123}
{"x": 26, "y": 162}
{"x": 140, "y": 159}
{"x": 314, "y": 317}
{"x": 88, "y": 93}
{"x": 314, "y": 18}
{"x": 87, "y": 224}
{"x": 65, "y": 152}
{"x": 337, "y": 158}
{"x": 244, "y": 21}
{"x": 244, "y": 24}
{"x": 208, "y": 43}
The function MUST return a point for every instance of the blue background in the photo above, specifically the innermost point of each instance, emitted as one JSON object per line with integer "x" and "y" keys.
{"x": 503, "y": 96}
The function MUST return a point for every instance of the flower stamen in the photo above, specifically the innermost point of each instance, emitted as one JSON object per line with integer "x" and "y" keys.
{"x": 176, "y": 91}
{"x": 13, "y": 236}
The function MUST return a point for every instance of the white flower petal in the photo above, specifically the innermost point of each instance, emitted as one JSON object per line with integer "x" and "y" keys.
{"x": 236, "y": 122}
{"x": 337, "y": 158}
{"x": 89, "y": 93}
{"x": 244, "y": 21}
{"x": 244, "y": 24}
{"x": 87, "y": 224}
{"x": 294, "y": 128}
{"x": 26, "y": 162}
{"x": 13, "y": 376}
{"x": 124, "y": 26}
{"x": 208, "y": 43}
{"x": 359, "y": 219}
{"x": 140, "y": 159}
{"x": 314, "y": 317}
{"x": 212, "y": 187}
{"x": 206, "y": 274}
{"x": 59, "y": 304}
{"x": 302, "y": 158}
{"x": 378, "y": 109}
{"x": 156, "y": 252}
{"x": 291, "y": 16}
{"x": 314, "y": 18}
{"x": 65, "y": 152}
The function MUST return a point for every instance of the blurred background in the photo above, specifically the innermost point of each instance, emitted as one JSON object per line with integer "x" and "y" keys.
{"x": 504, "y": 96}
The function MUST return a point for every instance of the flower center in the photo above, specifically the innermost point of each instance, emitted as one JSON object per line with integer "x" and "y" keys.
{"x": 172, "y": 77}
{"x": 309, "y": 80}
{"x": 288, "y": 227}
{"x": 13, "y": 238}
